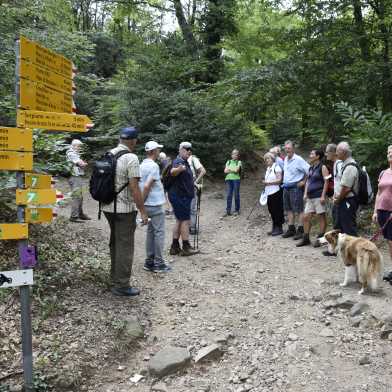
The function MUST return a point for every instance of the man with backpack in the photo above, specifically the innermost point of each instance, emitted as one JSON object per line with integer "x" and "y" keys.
{"x": 346, "y": 192}
{"x": 121, "y": 212}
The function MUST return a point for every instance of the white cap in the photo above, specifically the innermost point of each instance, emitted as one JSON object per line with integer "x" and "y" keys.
{"x": 185, "y": 145}
{"x": 162, "y": 155}
{"x": 76, "y": 142}
{"x": 150, "y": 146}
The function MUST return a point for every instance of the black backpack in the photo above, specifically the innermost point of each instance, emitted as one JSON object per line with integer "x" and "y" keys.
{"x": 103, "y": 180}
{"x": 365, "y": 192}
{"x": 167, "y": 178}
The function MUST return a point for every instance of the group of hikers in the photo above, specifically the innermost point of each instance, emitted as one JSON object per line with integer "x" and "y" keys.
{"x": 293, "y": 188}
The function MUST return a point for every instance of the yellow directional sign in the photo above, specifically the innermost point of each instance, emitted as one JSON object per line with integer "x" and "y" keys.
{"x": 11, "y": 160}
{"x": 35, "y": 196}
{"x": 35, "y": 96}
{"x": 53, "y": 121}
{"x": 16, "y": 139}
{"x": 14, "y": 231}
{"x": 45, "y": 76}
{"x": 38, "y": 181}
{"x": 37, "y": 54}
{"x": 38, "y": 215}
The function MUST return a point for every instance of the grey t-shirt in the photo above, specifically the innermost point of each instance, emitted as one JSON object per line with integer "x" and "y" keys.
{"x": 350, "y": 177}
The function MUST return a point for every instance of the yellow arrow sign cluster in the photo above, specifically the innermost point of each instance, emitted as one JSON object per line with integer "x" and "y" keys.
{"x": 16, "y": 139}
{"x": 13, "y": 231}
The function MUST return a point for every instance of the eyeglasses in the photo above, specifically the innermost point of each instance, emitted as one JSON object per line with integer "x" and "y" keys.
{"x": 188, "y": 148}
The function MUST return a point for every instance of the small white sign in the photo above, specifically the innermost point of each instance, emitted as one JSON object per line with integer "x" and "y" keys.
{"x": 16, "y": 278}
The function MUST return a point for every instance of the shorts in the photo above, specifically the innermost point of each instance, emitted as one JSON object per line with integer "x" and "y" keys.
{"x": 314, "y": 206}
{"x": 382, "y": 217}
{"x": 293, "y": 199}
{"x": 181, "y": 206}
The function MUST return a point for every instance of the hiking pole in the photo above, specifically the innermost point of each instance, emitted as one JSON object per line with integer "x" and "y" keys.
{"x": 196, "y": 236}
{"x": 251, "y": 212}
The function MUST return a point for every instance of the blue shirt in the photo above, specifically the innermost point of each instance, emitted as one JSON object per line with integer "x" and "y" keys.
{"x": 150, "y": 170}
{"x": 280, "y": 162}
{"x": 295, "y": 169}
{"x": 183, "y": 184}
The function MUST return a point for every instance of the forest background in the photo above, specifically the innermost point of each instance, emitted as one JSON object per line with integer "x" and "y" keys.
{"x": 219, "y": 73}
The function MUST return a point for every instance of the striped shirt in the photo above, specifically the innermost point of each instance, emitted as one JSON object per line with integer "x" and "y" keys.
{"x": 127, "y": 168}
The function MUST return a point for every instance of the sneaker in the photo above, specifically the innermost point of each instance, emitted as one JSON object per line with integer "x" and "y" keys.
{"x": 236, "y": 213}
{"x": 226, "y": 214}
{"x": 328, "y": 253}
{"x": 149, "y": 266}
{"x": 125, "y": 291}
{"x": 174, "y": 250}
{"x": 277, "y": 231}
{"x": 290, "y": 232}
{"x": 84, "y": 217}
{"x": 299, "y": 234}
{"x": 161, "y": 268}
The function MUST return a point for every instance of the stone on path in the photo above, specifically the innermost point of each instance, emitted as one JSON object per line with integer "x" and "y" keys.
{"x": 209, "y": 352}
{"x": 359, "y": 308}
{"x": 132, "y": 330}
{"x": 159, "y": 387}
{"x": 169, "y": 360}
{"x": 327, "y": 333}
{"x": 364, "y": 360}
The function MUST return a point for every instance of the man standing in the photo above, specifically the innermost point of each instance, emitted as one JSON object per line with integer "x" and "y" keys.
{"x": 345, "y": 199}
{"x": 76, "y": 181}
{"x": 294, "y": 178}
{"x": 123, "y": 222}
{"x": 181, "y": 193}
{"x": 198, "y": 172}
{"x": 154, "y": 201}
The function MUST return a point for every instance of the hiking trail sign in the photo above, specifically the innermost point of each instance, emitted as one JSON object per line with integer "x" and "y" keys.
{"x": 13, "y": 160}
{"x": 16, "y": 139}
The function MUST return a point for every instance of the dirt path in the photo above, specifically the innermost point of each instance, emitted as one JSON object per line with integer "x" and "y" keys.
{"x": 268, "y": 300}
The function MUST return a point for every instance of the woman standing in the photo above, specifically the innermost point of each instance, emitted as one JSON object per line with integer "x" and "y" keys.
{"x": 315, "y": 195}
{"x": 233, "y": 178}
{"x": 383, "y": 206}
{"x": 272, "y": 181}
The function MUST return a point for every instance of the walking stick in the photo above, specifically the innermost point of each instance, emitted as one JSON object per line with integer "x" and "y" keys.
{"x": 196, "y": 237}
{"x": 251, "y": 212}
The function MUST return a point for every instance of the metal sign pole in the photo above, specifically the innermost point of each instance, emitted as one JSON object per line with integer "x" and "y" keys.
{"x": 25, "y": 300}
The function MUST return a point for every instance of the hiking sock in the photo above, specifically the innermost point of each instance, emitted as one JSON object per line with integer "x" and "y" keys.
{"x": 175, "y": 243}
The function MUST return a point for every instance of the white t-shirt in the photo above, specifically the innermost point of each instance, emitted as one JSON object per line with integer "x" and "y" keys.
{"x": 149, "y": 169}
{"x": 270, "y": 175}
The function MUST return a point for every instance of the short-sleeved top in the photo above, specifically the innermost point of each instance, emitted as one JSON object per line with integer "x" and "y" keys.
{"x": 337, "y": 176}
{"x": 195, "y": 165}
{"x": 295, "y": 169}
{"x": 233, "y": 165}
{"x": 280, "y": 162}
{"x": 127, "y": 168}
{"x": 384, "y": 197}
{"x": 350, "y": 177}
{"x": 271, "y": 175}
{"x": 183, "y": 184}
{"x": 150, "y": 170}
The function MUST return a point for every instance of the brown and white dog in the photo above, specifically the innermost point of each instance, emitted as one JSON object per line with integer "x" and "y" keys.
{"x": 362, "y": 259}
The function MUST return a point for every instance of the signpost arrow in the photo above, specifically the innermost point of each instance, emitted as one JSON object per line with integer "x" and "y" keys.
{"x": 53, "y": 121}
{"x": 12, "y": 160}
{"x": 35, "y": 196}
{"x": 38, "y": 215}
{"x": 16, "y": 139}
{"x": 13, "y": 231}
{"x": 38, "y": 181}
{"x": 16, "y": 278}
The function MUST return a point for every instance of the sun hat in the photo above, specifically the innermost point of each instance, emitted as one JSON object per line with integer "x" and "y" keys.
{"x": 152, "y": 145}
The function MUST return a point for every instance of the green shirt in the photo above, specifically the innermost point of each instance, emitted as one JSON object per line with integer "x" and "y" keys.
{"x": 233, "y": 165}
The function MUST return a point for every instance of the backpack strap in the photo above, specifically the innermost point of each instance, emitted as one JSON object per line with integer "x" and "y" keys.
{"x": 359, "y": 171}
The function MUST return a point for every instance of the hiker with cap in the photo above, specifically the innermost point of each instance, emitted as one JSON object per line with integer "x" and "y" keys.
{"x": 198, "y": 172}
{"x": 181, "y": 193}
{"x": 121, "y": 213}
{"x": 78, "y": 166}
{"x": 154, "y": 201}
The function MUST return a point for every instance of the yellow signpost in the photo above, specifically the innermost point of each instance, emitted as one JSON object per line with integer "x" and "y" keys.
{"x": 53, "y": 121}
{"x": 38, "y": 215}
{"x": 35, "y": 196}
{"x": 35, "y": 96}
{"x": 37, "y": 54}
{"x": 13, "y": 231}
{"x": 12, "y": 160}
{"x": 45, "y": 76}
{"x": 38, "y": 181}
{"x": 16, "y": 139}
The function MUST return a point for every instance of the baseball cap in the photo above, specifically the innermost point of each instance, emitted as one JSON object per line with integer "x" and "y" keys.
{"x": 128, "y": 133}
{"x": 76, "y": 142}
{"x": 186, "y": 145}
{"x": 151, "y": 145}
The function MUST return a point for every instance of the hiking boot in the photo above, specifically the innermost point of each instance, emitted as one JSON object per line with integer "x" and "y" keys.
{"x": 299, "y": 234}
{"x": 226, "y": 214}
{"x": 188, "y": 250}
{"x": 236, "y": 213}
{"x": 290, "y": 232}
{"x": 149, "y": 266}
{"x": 304, "y": 241}
{"x": 75, "y": 220}
{"x": 271, "y": 231}
{"x": 174, "y": 250}
{"x": 161, "y": 268}
{"x": 84, "y": 217}
{"x": 125, "y": 291}
{"x": 328, "y": 253}
{"x": 316, "y": 243}
{"x": 277, "y": 231}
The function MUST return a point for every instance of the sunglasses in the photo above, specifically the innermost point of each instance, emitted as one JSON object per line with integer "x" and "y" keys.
{"x": 188, "y": 148}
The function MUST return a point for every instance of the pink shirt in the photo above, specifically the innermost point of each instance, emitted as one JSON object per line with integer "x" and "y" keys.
{"x": 384, "y": 199}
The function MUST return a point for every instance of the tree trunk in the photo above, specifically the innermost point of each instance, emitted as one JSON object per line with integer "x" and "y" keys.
{"x": 185, "y": 27}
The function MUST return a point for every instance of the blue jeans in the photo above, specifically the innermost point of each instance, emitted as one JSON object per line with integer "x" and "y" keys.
{"x": 233, "y": 187}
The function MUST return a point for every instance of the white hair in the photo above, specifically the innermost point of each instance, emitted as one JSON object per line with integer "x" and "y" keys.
{"x": 76, "y": 142}
{"x": 162, "y": 155}
{"x": 344, "y": 146}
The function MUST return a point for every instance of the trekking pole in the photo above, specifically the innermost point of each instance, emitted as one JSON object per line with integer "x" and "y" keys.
{"x": 251, "y": 212}
{"x": 196, "y": 237}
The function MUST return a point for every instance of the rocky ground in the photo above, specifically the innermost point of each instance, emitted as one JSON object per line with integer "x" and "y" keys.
{"x": 249, "y": 313}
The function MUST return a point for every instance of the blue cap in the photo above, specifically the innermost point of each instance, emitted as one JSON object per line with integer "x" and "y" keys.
{"x": 129, "y": 133}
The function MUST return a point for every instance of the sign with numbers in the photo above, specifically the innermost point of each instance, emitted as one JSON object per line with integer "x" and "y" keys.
{"x": 35, "y": 196}
{"x": 38, "y": 215}
{"x": 13, "y": 231}
{"x": 53, "y": 121}
{"x": 38, "y": 181}
{"x": 45, "y": 76}
{"x": 36, "y": 96}
{"x": 12, "y": 160}
{"x": 16, "y": 139}
{"x": 37, "y": 54}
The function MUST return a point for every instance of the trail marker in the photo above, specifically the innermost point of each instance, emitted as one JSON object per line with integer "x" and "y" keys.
{"x": 16, "y": 139}
{"x": 38, "y": 181}
{"x": 35, "y": 196}
{"x": 13, "y": 231}
{"x": 16, "y": 278}
{"x": 11, "y": 160}
{"x": 38, "y": 215}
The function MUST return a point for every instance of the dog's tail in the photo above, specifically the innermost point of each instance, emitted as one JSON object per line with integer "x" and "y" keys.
{"x": 370, "y": 269}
